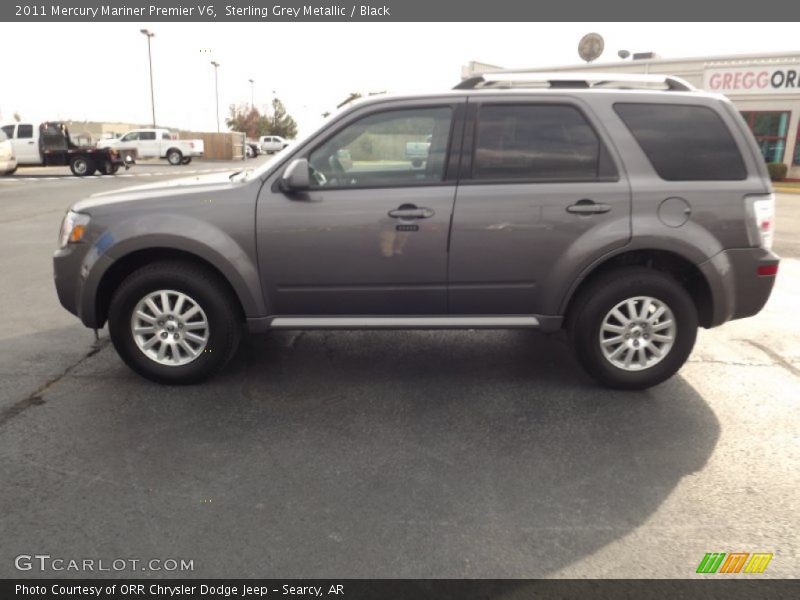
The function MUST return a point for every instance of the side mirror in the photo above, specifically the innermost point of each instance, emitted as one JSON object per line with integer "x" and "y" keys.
{"x": 295, "y": 177}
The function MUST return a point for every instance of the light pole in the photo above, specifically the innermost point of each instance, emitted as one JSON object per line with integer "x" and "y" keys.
{"x": 149, "y": 35}
{"x": 252, "y": 86}
{"x": 216, "y": 89}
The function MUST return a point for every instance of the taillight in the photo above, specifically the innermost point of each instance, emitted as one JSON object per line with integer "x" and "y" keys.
{"x": 764, "y": 216}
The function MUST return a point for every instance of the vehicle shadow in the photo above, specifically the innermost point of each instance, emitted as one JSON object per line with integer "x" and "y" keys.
{"x": 355, "y": 454}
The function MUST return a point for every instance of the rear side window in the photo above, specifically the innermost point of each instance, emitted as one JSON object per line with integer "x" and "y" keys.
{"x": 538, "y": 142}
{"x": 684, "y": 142}
{"x": 24, "y": 131}
{"x": 147, "y": 135}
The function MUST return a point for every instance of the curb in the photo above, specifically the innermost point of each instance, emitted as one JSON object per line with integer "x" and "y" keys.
{"x": 786, "y": 190}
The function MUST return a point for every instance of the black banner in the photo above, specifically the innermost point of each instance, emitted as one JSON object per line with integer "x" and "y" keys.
{"x": 396, "y": 10}
{"x": 402, "y": 589}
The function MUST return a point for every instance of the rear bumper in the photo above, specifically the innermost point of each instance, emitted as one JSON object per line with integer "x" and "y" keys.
{"x": 8, "y": 164}
{"x": 737, "y": 288}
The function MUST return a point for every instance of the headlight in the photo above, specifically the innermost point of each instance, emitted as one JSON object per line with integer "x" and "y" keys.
{"x": 72, "y": 228}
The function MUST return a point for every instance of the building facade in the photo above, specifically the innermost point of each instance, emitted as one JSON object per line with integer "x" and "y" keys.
{"x": 764, "y": 87}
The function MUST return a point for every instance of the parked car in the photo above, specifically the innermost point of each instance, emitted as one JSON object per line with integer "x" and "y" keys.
{"x": 627, "y": 217}
{"x": 417, "y": 152}
{"x": 8, "y": 162}
{"x": 252, "y": 149}
{"x": 272, "y": 143}
{"x": 157, "y": 143}
{"x": 50, "y": 144}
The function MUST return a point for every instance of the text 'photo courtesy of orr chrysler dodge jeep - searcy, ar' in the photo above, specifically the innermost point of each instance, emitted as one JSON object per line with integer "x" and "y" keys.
{"x": 627, "y": 210}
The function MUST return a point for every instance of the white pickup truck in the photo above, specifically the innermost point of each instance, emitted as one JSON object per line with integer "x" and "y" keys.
{"x": 156, "y": 143}
{"x": 272, "y": 143}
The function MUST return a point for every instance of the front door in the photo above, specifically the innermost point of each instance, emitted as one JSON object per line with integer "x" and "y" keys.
{"x": 370, "y": 236}
{"x": 539, "y": 190}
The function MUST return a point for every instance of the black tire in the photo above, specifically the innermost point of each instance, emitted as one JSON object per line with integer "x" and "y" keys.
{"x": 82, "y": 166}
{"x": 174, "y": 156}
{"x": 107, "y": 168}
{"x": 600, "y": 296}
{"x": 204, "y": 287}
{"x": 11, "y": 172}
{"x": 186, "y": 160}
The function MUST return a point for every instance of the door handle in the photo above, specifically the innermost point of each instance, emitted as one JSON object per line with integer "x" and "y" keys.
{"x": 410, "y": 211}
{"x": 588, "y": 207}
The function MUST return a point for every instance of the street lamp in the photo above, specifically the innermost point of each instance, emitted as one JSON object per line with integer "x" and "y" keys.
{"x": 216, "y": 89}
{"x": 252, "y": 85}
{"x": 149, "y": 35}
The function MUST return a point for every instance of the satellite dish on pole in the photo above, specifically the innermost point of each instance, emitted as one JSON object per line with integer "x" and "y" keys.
{"x": 591, "y": 46}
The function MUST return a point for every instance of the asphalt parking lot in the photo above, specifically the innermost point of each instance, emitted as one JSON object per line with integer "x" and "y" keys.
{"x": 385, "y": 454}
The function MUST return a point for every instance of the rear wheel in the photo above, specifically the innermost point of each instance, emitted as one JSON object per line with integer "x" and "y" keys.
{"x": 633, "y": 328}
{"x": 11, "y": 172}
{"x": 174, "y": 322}
{"x": 82, "y": 166}
{"x": 174, "y": 156}
{"x": 186, "y": 160}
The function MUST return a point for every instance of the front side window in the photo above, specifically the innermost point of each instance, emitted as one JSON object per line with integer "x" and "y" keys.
{"x": 9, "y": 130}
{"x": 130, "y": 137}
{"x": 25, "y": 131}
{"x": 684, "y": 142}
{"x": 538, "y": 142}
{"x": 770, "y": 129}
{"x": 397, "y": 147}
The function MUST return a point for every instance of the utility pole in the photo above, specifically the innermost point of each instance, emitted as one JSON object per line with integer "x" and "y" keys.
{"x": 150, "y": 35}
{"x": 252, "y": 93}
{"x": 216, "y": 88}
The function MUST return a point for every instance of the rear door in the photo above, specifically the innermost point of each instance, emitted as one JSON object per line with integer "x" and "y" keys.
{"x": 540, "y": 191}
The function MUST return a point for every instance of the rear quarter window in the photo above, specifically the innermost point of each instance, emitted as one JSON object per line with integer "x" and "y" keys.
{"x": 684, "y": 142}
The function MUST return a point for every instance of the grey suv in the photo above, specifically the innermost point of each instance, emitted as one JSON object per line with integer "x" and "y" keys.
{"x": 626, "y": 210}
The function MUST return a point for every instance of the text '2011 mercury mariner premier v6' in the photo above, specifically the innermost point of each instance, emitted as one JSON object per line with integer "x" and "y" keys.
{"x": 628, "y": 210}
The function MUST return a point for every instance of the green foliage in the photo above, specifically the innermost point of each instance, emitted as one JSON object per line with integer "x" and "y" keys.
{"x": 777, "y": 171}
{"x": 248, "y": 119}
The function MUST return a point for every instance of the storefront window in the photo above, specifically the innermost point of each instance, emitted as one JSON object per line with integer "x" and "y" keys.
{"x": 770, "y": 129}
{"x": 796, "y": 160}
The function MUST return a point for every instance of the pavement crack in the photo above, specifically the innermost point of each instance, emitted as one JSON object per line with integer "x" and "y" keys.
{"x": 775, "y": 356}
{"x": 36, "y": 397}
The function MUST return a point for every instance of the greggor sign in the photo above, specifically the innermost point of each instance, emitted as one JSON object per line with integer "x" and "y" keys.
{"x": 783, "y": 79}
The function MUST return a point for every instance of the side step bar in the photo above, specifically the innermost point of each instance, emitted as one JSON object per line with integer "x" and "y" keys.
{"x": 477, "y": 322}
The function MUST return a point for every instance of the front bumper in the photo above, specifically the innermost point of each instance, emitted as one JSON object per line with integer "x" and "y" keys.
{"x": 77, "y": 270}
{"x": 737, "y": 288}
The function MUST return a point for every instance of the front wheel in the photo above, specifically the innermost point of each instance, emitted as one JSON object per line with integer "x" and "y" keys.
{"x": 174, "y": 322}
{"x": 186, "y": 160}
{"x": 81, "y": 166}
{"x": 11, "y": 172}
{"x": 633, "y": 328}
{"x": 174, "y": 157}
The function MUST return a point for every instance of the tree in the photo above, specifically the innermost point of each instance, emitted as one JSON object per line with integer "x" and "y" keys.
{"x": 248, "y": 119}
{"x": 281, "y": 123}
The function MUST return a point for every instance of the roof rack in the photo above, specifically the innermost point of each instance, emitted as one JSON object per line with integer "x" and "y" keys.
{"x": 505, "y": 80}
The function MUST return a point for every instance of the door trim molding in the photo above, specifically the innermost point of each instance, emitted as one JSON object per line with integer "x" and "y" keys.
{"x": 394, "y": 322}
